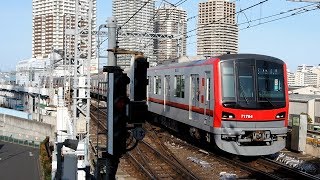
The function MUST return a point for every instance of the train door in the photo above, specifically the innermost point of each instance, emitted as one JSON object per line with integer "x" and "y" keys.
{"x": 207, "y": 95}
{"x": 194, "y": 96}
{"x": 166, "y": 94}
{"x": 149, "y": 86}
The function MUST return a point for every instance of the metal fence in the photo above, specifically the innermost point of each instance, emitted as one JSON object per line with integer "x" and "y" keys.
{"x": 21, "y": 139}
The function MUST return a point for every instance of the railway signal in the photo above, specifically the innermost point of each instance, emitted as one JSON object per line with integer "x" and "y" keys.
{"x": 138, "y": 107}
{"x": 140, "y": 78}
{"x": 117, "y": 110}
{"x": 117, "y": 118}
{"x": 122, "y": 111}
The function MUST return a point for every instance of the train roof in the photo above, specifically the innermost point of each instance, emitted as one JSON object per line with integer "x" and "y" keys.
{"x": 223, "y": 58}
{"x": 249, "y": 56}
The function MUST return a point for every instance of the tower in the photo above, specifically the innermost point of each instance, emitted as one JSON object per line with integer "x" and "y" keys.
{"x": 134, "y": 17}
{"x": 49, "y": 19}
{"x": 217, "y": 29}
{"x": 171, "y": 20}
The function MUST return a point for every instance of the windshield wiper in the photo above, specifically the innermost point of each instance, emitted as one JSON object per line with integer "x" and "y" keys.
{"x": 269, "y": 101}
{"x": 243, "y": 93}
{"x": 230, "y": 104}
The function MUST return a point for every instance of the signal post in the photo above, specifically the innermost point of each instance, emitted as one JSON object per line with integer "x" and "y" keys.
{"x": 117, "y": 118}
{"x": 124, "y": 116}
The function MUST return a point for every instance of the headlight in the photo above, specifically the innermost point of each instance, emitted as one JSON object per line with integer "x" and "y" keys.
{"x": 281, "y": 115}
{"x": 226, "y": 115}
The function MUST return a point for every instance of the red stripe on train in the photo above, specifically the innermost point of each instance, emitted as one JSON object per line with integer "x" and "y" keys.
{"x": 182, "y": 106}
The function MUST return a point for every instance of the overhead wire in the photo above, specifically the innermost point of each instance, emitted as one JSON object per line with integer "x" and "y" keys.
{"x": 135, "y": 13}
{"x": 156, "y": 14}
{"x": 277, "y": 14}
{"x": 302, "y": 11}
{"x": 180, "y": 2}
{"x": 242, "y": 10}
{"x": 284, "y": 17}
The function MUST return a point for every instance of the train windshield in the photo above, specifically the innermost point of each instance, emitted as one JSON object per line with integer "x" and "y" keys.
{"x": 252, "y": 84}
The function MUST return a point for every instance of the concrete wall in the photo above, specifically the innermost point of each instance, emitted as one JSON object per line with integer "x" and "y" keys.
{"x": 25, "y": 129}
{"x": 44, "y": 118}
{"x": 317, "y": 108}
{"x": 296, "y": 107}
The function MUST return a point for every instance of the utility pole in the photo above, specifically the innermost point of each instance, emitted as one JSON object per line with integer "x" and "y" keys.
{"x": 73, "y": 126}
{"x": 112, "y": 158}
{"x": 67, "y": 58}
{"x": 112, "y": 40}
{"x": 81, "y": 81}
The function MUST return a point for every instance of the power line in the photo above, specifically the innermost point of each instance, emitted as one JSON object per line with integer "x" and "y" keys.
{"x": 180, "y": 2}
{"x": 280, "y": 13}
{"x": 156, "y": 14}
{"x": 135, "y": 13}
{"x": 284, "y": 17}
{"x": 227, "y": 16}
{"x": 168, "y": 2}
{"x": 241, "y": 11}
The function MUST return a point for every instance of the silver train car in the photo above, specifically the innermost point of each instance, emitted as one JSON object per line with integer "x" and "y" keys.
{"x": 238, "y": 101}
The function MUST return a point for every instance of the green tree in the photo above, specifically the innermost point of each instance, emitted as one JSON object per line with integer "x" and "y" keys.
{"x": 45, "y": 160}
{"x": 308, "y": 117}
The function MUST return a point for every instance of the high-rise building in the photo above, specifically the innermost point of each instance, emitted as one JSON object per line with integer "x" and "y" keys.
{"x": 173, "y": 21}
{"x": 306, "y": 75}
{"x": 217, "y": 29}
{"x": 49, "y": 19}
{"x": 135, "y": 19}
{"x": 291, "y": 78}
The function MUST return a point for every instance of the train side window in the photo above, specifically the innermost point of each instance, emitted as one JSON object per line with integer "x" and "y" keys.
{"x": 149, "y": 84}
{"x": 195, "y": 81}
{"x": 167, "y": 85}
{"x": 179, "y": 81}
{"x": 228, "y": 81}
{"x": 157, "y": 85}
{"x": 208, "y": 90}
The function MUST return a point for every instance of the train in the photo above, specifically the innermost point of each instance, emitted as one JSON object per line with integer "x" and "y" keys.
{"x": 237, "y": 101}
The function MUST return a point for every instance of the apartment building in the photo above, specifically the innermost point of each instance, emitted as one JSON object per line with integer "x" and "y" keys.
{"x": 217, "y": 29}
{"x": 172, "y": 21}
{"x": 305, "y": 75}
{"x": 134, "y": 18}
{"x": 291, "y": 78}
{"x": 49, "y": 20}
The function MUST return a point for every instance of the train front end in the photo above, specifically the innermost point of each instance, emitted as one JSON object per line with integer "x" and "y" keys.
{"x": 251, "y": 106}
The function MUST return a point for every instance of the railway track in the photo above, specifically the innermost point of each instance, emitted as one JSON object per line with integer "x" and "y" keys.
{"x": 98, "y": 141}
{"x": 286, "y": 171}
{"x": 162, "y": 156}
{"x": 98, "y": 128}
{"x": 261, "y": 168}
{"x": 157, "y": 162}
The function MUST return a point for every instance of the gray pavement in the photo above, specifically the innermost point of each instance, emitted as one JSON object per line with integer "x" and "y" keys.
{"x": 18, "y": 162}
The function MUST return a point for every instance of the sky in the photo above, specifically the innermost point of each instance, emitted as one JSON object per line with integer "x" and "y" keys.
{"x": 295, "y": 39}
